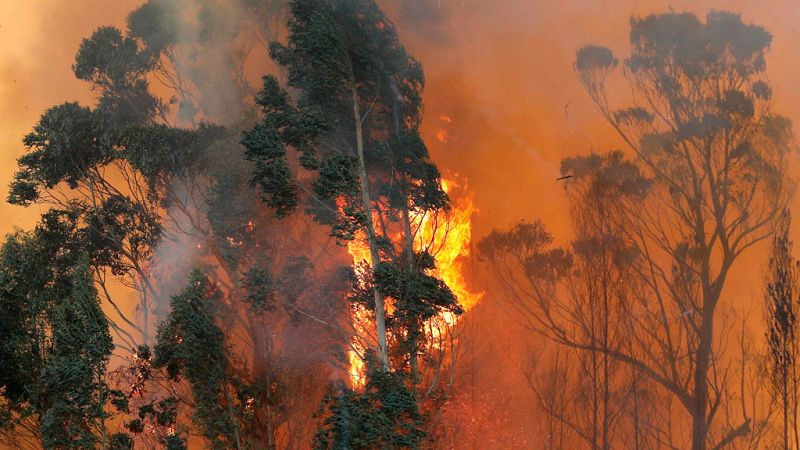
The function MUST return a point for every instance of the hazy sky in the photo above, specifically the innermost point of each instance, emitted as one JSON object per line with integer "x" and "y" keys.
{"x": 501, "y": 70}
{"x": 503, "y": 105}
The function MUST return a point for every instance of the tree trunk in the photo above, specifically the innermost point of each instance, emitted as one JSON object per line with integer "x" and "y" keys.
{"x": 415, "y": 378}
{"x": 699, "y": 420}
{"x": 380, "y": 319}
{"x": 793, "y": 395}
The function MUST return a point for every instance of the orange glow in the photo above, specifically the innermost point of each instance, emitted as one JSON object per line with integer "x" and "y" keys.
{"x": 448, "y": 237}
{"x": 452, "y": 243}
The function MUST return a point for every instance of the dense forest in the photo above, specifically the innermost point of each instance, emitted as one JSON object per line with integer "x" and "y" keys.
{"x": 251, "y": 237}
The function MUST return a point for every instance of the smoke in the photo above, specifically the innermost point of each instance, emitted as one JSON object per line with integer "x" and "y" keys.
{"x": 502, "y": 72}
{"x": 503, "y": 108}
{"x": 40, "y": 39}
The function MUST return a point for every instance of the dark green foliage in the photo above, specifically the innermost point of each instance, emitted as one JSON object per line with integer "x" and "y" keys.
{"x": 70, "y": 143}
{"x": 261, "y": 287}
{"x": 66, "y": 142}
{"x": 35, "y": 272}
{"x": 336, "y": 181}
{"x": 22, "y": 280}
{"x": 417, "y": 294}
{"x": 384, "y": 415}
{"x": 263, "y": 283}
{"x": 418, "y": 297}
{"x": 135, "y": 426}
{"x": 162, "y": 414}
{"x": 232, "y": 207}
{"x": 110, "y": 60}
{"x": 192, "y": 346}
{"x": 339, "y": 53}
{"x": 117, "y": 66}
{"x": 120, "y": 441}
{"x": 174, "y": 442}
{"x": 119, "y": 400}
{"x": 266, "y": 143}
{"x": 120, "y": 225}
{"x": 419, "y": 187}
{"x": 55, "y": 338}
{"x": 336, "y": 46}
{"x": 355, "y": 125}
{"x": 73, "y": 391}
{"x": 154, "y": 23}
{"x": 163, "y": 152}
{"x": 271, "y": 172}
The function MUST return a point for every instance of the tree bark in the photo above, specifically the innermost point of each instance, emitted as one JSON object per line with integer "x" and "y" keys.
{"x": 380, "y": 314}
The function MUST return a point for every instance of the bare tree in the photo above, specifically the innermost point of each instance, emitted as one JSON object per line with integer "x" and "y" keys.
{"x": 703, "y": 129}
{"x": 583, "y": 295}
{"x": 781, "y": 311}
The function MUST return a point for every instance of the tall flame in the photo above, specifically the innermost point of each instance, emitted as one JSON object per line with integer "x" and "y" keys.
{"x": 448, "y": 238}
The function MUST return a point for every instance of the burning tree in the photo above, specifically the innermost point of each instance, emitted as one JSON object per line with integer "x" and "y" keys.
{"x": 355, "y": 128}
{"x": 191, "y": 344}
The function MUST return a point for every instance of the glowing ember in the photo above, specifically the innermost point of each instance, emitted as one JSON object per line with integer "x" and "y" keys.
{"x": 443, "y": 135}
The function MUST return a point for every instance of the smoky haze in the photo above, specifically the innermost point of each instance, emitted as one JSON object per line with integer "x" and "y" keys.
{"x": 503, "y": 108}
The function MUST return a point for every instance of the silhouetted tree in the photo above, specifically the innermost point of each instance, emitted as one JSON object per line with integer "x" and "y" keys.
{"x": 716, "y": 153}
{"x": 781, "y": 311}
{"x": 582, "y": 294}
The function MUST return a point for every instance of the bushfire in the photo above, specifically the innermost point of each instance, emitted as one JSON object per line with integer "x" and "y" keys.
{"x": 448, "y": 237}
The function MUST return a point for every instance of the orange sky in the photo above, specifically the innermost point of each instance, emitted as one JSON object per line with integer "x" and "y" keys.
{"x": 501, "y": 70}
{"x": 38, "y": 41}
{"x": 503, "y": 66}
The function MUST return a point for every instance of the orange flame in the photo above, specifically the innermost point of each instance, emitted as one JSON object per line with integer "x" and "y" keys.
{"x": 453, "y": 244}
{"x": 448, "y": 238}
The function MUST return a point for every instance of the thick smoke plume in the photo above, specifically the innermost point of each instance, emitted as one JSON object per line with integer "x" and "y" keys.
{"x": 503, "y": 108}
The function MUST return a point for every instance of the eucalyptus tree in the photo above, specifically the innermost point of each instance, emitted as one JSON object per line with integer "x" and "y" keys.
{"x": 191, "y": 345}
{"x": 89, "y": 160}
{"x": 345, "y": 146}
{"x": 354, "y": 126}
{"x": 582, "y": 294}
{"x": 54, "y": 340}
{"x": 704, "y": 131}
{"x": 781, "y": 306}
